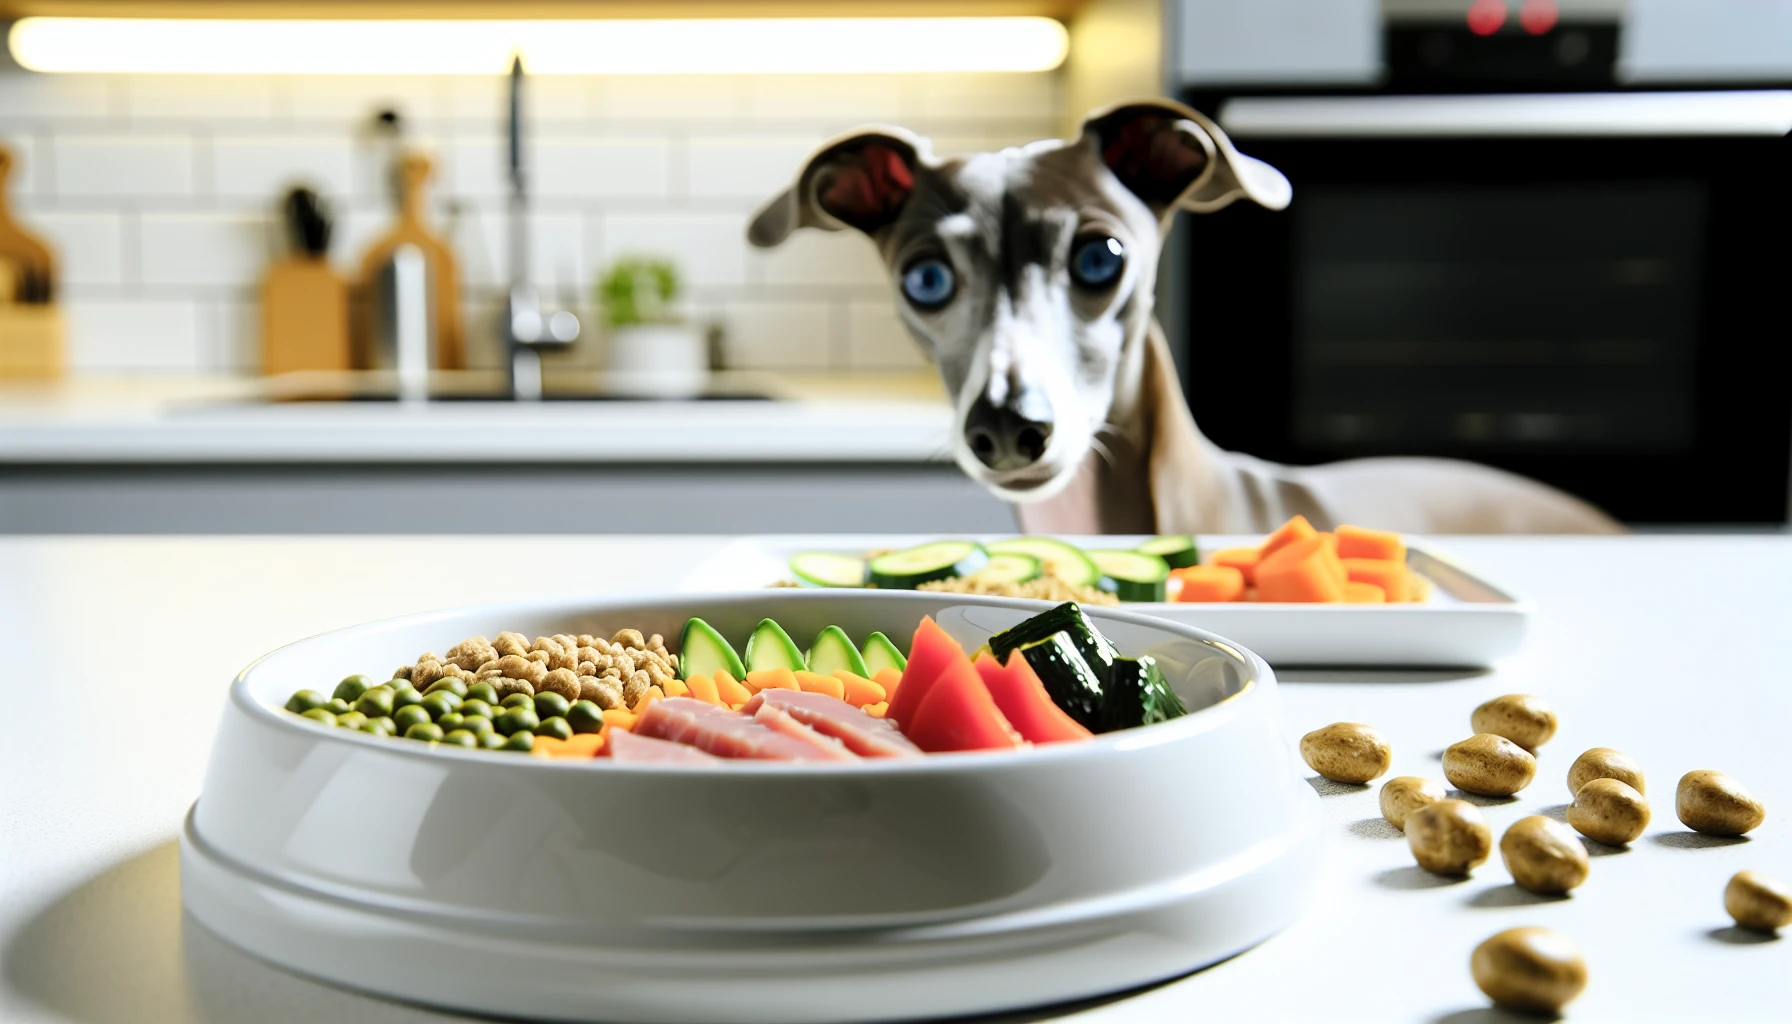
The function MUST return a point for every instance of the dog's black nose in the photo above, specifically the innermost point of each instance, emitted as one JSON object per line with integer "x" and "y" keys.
{"x": 1012, "y": 435}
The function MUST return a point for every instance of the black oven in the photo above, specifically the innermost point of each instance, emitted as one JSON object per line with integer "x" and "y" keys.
{"x": 1592, "y": 290}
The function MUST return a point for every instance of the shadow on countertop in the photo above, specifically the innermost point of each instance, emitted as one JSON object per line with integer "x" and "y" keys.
{"x": 118, "y": 949}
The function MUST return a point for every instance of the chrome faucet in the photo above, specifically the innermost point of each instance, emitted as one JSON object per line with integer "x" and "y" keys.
{"x": 527, "y": 326}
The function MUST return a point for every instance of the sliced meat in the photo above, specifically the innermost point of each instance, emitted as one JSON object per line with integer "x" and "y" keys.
{"x": 861, "y": 733}
{"x": 726, "y": 733}
{"x": 626, "y": 746}
{"x": 776, "y": 718}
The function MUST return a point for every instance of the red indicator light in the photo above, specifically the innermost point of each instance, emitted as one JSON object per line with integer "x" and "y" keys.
{"x": 1538, "y": 16}
{"x": 1486, "y": 16}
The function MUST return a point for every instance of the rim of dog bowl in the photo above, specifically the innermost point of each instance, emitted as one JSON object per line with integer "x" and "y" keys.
{"x": 1202, "y": 720}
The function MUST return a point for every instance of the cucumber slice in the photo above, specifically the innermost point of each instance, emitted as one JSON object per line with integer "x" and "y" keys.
{"x": 1009, "y": 568}
{"x": 1177, "y": 549}
{"x": 1068, "y": 679}
{"x": 703, "y": 652}
{"x": 1097, "y": 653}
{"x": 832, "y": 651}
{"x": 827, "y": 569}
{"x": 1132, "y": 575}
{"x": 880, "y": 654}
{"x": 1062, "y": 560}
{"x": 1138, "y": 695}
{"x": 942, "y": 559}
{"x": 770, "y": 647}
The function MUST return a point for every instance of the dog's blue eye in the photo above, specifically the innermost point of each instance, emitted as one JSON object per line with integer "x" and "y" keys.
{"x": 929, "y": 283}
{"x": 1097, "y": 263}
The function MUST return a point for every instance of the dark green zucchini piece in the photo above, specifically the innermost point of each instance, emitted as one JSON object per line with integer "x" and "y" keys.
{"x": 1068, "y": 679}
{"x": 1178, "y": 549}
{"x": 1098, "y": 654}
{"x": 1136, "y": 694}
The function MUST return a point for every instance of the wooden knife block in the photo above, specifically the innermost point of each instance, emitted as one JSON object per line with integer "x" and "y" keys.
{"x": 304, "y": 318}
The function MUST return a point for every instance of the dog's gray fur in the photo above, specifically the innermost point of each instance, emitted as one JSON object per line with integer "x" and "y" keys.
{"x": 1123, "y": 454}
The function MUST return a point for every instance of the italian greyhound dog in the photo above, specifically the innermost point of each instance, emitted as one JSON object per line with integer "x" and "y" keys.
{"x": 1027, "y": 277}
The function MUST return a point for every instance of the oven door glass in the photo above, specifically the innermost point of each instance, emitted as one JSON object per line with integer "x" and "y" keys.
{"x": 1599, "y": 314}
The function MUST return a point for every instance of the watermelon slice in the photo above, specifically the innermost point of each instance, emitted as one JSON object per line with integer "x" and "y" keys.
{"x": 928, "y": 656}
{"x": 957, "y": 713}
{"x": 1022, "y": 699}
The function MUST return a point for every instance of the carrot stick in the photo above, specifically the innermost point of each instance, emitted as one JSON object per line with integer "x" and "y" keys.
{"x": 859, "y": 690}
{"x": 877, "y": 710}
{"x": 1210, "y": 583}
{"x": 1364, "y": 593}
{"x": 704, "y": 689}
{"x": 676, "y": 688}
{"x": 1394, "y": 579}
{"x": 1243, "y": 559}
{"x": 772, "y": 678}
{"x": 731, "y": 690}
{"x": 1356, "y": 542}
{"x": 888, "y": 678}
{"x": 1293, "y": 530}
{"x": 814, "y": 683}
{"x": 1305, "y": 570}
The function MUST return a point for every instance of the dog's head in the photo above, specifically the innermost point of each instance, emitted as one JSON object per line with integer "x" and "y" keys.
{"x": 1025, "y": 274}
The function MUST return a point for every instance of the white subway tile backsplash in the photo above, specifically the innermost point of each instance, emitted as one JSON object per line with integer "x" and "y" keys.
{"x": 89, "y": 246}
{"x": 198, "y": 98}
{"x": 161, "y": 195}
{"x": 220, "y": 250}
{"x": 754, "y": 168}
{"x": 776, "y": 335}
{"x": 710, "y": 248}
{"x": 260, "y": 168}
{"x": 111, "y": 335}
{"x": 55, "y": 99}
{"x": 124, "y": 167}
{"x": 623, "y": 168}
{"x": 815, "y": 257}
{"x": 877, "y": 340}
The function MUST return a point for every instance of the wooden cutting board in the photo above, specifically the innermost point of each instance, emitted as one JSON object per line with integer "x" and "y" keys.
{"x": 32, "y": 338}
{"x": 442, "y": 273}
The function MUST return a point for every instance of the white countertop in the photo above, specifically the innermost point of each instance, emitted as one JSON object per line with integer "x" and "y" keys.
{"x": 895, "y": 418}
{"x": 1675, "y": 649}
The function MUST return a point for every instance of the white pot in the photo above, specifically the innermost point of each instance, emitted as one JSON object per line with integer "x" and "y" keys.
{"x": 659, "y": 359}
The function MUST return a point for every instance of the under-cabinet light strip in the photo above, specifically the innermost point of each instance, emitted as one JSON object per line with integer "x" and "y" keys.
{"x": 616, "y": 47}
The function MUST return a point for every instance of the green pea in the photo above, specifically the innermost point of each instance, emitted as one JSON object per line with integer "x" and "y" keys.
{"x": 520, "y": 700}
{"x": 352, "y": 720}
{"x": 492, "y": 740}
{"x": 517, "y": 720}
{"x": 381, "y": 726}
{"x": 338, "y": 706}
{"x": 585, "y": 716}
{"x": 555, "y": 727}
{"x": 405, "y": 696}
{"x": 375, "y": 702}
{"x": 473, "y": 706}
{"x": 323, "y": 715}
{"x": 449, "y": 683}
{"x": 483, "y": 691}
{"x": 352, "y": 688}
{"x": 520, "y": 741}
{"x": 428, "y": 731}
{"x": 461, "y": 738}
{"x": 451, "y": 721}
{"x": 304, "y": 701}
{"x": 439, "y": 703}
{"x": 407, "y": 716}
{"x": 549, "y": 704}
{"x": 476, "y": 723}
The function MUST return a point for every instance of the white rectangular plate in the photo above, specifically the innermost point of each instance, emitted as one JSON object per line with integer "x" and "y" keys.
{"x": 1469, "y": 622}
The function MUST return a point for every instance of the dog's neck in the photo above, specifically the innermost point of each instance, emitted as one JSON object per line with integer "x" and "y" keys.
{"x": 1158, "y": 436}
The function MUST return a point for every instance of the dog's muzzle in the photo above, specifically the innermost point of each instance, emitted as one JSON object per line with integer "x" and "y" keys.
{"x": 1010, "y": 436}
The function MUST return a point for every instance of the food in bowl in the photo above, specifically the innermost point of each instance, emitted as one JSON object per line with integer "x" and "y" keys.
{"x": 1295, "y": 564}
{"x": 1052, "y": 678}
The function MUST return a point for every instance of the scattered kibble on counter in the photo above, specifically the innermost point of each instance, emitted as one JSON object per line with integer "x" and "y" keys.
{"x": 1449, "y": 837}
{"x": 1347, "y": 752}
{"x": 1531, "y": 969}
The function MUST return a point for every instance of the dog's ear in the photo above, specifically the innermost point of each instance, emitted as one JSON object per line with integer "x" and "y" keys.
{"x": 1171, "y": 156}
{"x": 859, "y": 180}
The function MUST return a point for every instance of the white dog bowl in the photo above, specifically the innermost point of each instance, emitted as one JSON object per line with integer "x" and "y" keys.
{"x": 959, "y": 883}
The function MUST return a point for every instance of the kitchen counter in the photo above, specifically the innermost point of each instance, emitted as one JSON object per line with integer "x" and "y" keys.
{"x": 170, "y": 420}
{"x": 1682, "y": 677}
{"x": 197, "y": 455}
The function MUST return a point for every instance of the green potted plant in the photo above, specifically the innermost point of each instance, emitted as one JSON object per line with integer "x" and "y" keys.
{"x": 652, "y": 347}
